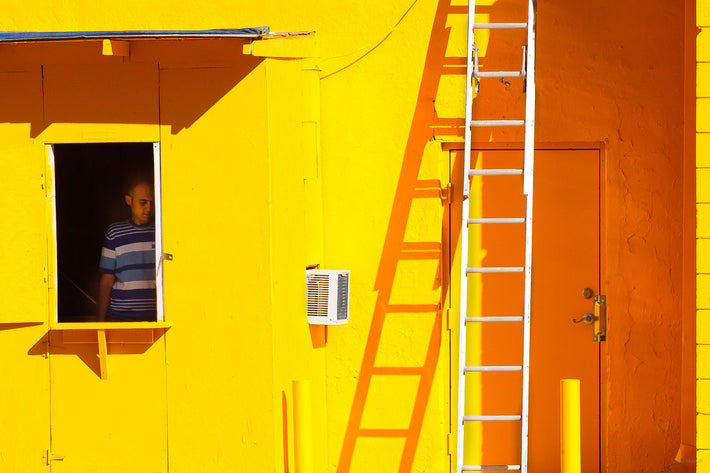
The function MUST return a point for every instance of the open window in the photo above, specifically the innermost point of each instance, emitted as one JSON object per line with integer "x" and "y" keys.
{"x": 86, "y": 188}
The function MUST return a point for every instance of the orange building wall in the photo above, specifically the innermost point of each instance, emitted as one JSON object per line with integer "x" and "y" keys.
{"x": 612, "y": 72}
{"x": 604, "y": 75}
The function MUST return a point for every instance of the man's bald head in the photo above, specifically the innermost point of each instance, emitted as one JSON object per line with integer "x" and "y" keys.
{"x": 139, "y": 198}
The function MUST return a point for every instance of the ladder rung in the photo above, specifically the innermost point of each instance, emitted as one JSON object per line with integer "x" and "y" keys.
{"x": 497, "y": 123}
{"x": 499, "y": 26}
{"x": 494, "y": 172}
{"x": 490, "y": 468}
{"x": 494, "y": 319}
{"x": 492, "y": 269}
{"x": 490, "y": 418}
{"x": 495, "y": 220}
{"x": 495, "y": 74}
{"x": 478, "y": 369}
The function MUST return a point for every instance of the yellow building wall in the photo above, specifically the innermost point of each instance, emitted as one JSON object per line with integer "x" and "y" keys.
{"x": 702, "y": 231}
{"x": 272, "y": 162}
{"x": 243, "y": 215}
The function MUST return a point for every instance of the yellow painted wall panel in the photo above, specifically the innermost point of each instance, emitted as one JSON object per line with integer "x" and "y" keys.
{"x": 702, "y": 44}
{"x": 125, "y": 413}
{"x": 24, "y": 367}
{"x": 702, "y": 461}
{"x": 702, "y": 115}
{"x": 702, "y": 83}
{"x": 24, "y": 398}
{"x": 22, "y": 234}
{"x": 702, "y": 190}
{"x": 703, "y": 326}
{"x": 703, "y": 291}
{"x": 703, "y": 221}
{"x": 299, "y": 349}
{"x": 24, "y": 213}
{"x": 703, "y": 396}
{"x": 702, "y": 148}
{"x": 217, "y": 288}
{"x": 703, "y": 428}
{"x": 703, "y": 255}
{"x": 703, "y": 362}
{"x": 312, "y": 157}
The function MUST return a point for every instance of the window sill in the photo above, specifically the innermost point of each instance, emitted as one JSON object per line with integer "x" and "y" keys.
{"x": 96, "y": 332}
{"x": 108, "y": 325}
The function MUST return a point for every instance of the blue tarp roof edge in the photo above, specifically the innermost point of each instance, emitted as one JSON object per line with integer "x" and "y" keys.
{"x": 15, "y": 36}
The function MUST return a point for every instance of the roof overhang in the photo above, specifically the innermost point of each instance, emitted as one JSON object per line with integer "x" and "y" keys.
{"x": 33, "y": 36}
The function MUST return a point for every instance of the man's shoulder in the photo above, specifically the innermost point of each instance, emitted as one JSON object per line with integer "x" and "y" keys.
{"x": 124, "y": 228}
{"x": 117, "y": 228}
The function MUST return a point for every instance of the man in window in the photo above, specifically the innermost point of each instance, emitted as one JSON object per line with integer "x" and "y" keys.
{"x": 127, "y": 286}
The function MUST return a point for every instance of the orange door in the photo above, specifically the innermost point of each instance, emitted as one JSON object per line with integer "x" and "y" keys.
{"x": 565, "y": 262}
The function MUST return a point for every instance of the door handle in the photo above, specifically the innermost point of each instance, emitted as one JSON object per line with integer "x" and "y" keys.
{"x": 596, "y": 318}
{"x": 587, "y": 319}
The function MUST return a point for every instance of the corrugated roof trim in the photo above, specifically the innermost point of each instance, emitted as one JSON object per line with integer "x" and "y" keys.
{"x": 25, "y": 36}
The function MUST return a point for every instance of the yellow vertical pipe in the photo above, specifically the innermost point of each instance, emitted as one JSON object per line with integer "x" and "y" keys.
{"x": 103, "y": 352}
{"x": 570, "y": 426}
{"x": 302, "y": 427}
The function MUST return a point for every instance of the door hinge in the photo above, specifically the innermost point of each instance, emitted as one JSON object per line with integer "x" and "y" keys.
{"x": 449, "y": 439}
{"x": 52, "y": 457}
{"x": 446, "y": 194}
{"x": 448, "y": 319}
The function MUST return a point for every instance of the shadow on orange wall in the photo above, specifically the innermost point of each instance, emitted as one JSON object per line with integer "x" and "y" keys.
{"x": 46, "y": 83}
{"x": 396, "y": 251}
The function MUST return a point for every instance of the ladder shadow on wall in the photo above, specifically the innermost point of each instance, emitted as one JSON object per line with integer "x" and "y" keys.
{"x": 170, "y": 83}
{"x": 445, "y": 124}
{"x": 391, "y": 406}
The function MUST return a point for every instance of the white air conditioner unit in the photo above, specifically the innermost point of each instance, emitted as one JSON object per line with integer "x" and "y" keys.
{"x": 327, "y": 296}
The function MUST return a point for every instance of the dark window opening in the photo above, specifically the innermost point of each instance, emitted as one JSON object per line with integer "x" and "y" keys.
{"x": 90, "y": 184}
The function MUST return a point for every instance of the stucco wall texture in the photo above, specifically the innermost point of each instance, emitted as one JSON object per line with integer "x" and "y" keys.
{"x": 603, "y": 75}
{"x": 376, "y": 104}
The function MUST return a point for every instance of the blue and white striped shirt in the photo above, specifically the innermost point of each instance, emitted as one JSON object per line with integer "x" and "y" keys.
{"x": 129, "y": 254}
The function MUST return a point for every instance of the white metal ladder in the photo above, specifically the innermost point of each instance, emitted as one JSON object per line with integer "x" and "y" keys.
{"x": 527, "y": 72}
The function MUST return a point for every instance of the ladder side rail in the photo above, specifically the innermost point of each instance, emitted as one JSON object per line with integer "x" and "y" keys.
{"x": 528, "y": 190}
{"x": 463, "y": 304}
{"x": 530, "y": 102}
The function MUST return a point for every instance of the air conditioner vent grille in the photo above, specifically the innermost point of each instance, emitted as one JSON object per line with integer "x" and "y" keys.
{"x": 317, "y": 295}
{"x": 328, "y": 296}
{"x": 343, "y": 285}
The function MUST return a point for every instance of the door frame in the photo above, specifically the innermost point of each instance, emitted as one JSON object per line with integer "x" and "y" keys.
{"x": 601, "y": 148}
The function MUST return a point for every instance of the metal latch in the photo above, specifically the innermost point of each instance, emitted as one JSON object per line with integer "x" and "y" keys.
{"x": 597, "y": 318}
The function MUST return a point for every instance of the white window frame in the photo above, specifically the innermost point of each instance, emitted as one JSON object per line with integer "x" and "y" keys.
{"x": 52, "y": 270}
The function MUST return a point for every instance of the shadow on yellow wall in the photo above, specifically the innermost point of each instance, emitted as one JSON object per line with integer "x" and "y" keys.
{"x": 79, "y": 85}
{"x": 399, "y": 249}
{"x": 84, "y": 343}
